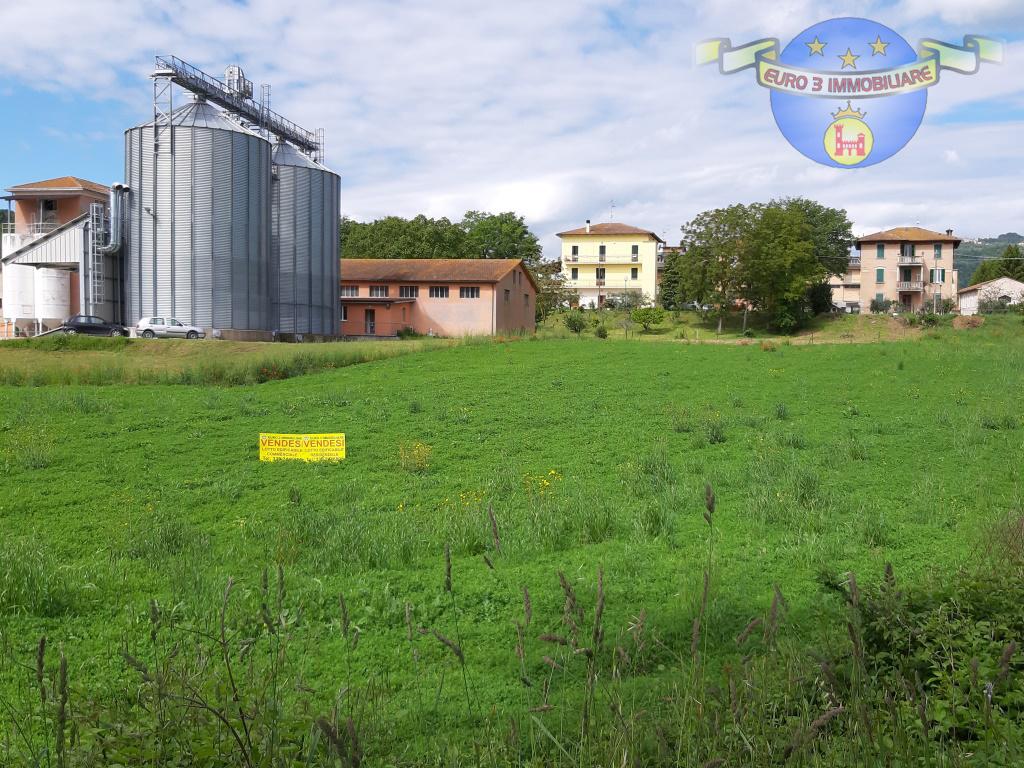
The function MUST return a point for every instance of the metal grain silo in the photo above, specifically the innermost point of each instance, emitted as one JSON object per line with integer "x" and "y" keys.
{"x": 198, "y": 221}
{"x": 304, "y": 256}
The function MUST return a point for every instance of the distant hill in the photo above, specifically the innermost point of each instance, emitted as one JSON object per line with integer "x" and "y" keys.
{"x": 970, "y": 255}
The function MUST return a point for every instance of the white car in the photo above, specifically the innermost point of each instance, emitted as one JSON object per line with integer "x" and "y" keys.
{"x": 168, "y": 328}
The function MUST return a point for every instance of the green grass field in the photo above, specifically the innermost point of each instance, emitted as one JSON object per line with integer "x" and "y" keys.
{"x": 824, "y": 459}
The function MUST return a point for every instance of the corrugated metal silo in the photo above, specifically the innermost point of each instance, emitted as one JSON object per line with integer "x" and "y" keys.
{"x": 198, "y": 221}
{"x": 304, "y": 260}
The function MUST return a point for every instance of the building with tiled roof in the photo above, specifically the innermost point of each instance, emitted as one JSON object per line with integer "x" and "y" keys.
{"x": 610, "y": 259}
{"x": 909, "y": 267}
{"x": 62, "y": 184}
{"x": 441, "y": 297}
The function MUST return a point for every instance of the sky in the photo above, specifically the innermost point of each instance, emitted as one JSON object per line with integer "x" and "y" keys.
{"x": 560, "y": 111}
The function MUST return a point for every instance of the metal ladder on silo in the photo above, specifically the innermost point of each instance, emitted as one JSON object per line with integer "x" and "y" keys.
{"x": 98, "y": 238}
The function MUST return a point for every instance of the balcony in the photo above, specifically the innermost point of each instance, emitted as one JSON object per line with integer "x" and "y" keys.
{"x": 911, "y": 260}
{"x": 605, "y": 260}
{"x": 855, "y": 262}
{"x": 910, "y": 285}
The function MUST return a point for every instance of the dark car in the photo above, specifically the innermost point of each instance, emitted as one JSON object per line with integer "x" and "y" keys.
{"x": 93, "y": 326}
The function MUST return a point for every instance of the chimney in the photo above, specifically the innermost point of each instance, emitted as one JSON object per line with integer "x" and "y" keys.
{"x": 949, "y": 233}
{"x": 588, "y": 226}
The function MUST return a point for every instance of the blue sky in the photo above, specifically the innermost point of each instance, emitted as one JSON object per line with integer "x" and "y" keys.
{"x": 549, "y": 109}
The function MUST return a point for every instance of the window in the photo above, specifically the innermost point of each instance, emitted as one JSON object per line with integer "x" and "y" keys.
{"x": 349, "y": 291}
{"x": 403, "y": 314}
{"x": 938, "y": 251}
{"x": 508, "y": 295}
{"x": 880, "y": 275}
{"x": 344, "y": 313}
{"x": 575, "y": 250}
{"x": 937, "y": 275}
{"x": 526, "y": 299}
{"x": 636, "y": 250}
{"x": 471, "y": 292}
{"x": 155, "y": 321}
{"x": 601, "y": 250}
{"x": 378, "y": 291}
{"x": 575, "y": 273}
{"x": 439, "y": 291}
{"x": 408, "y": 291}
{"x": 880, "y": 250}
{"x": 599, "y": 273}
{"x": 634, "y": 273}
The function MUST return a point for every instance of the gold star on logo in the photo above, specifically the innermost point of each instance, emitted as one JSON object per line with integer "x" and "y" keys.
{"x": 878, "y": 46}
{"x": 849, "y": 59}
{"x": 817, "y": 47}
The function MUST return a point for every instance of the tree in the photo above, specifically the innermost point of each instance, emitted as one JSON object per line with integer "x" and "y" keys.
{"x": 648, "y": 316}
{"x": 830, "y": 231}
{"x": 499, "y": 236}
{"x": 477, "y": 236}
{"x": 1009, "y": 264}
{"x": 777, "y": 264}
{"x": 671, "y": 293}
{"x": 552, "y": 291}
{"x": 575, "y": 321}
{"x": 765, "y": 256}
{"x": 712, "y": 247}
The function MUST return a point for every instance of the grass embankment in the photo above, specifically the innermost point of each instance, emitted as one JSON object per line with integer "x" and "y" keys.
{"x": 694, "y": 328}
{"x": 540, "y": 465}
{"x": 82, "y": 360}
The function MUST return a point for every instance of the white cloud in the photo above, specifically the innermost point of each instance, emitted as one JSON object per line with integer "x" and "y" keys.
{"x": 549, "y": 109}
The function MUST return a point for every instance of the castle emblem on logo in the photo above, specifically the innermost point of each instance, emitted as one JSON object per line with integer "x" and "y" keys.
{"x": 848, "y": 139}
{"x": 847, "y": 61}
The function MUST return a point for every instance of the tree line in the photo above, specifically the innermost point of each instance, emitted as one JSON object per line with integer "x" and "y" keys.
{"x": 478, "y": 235}
{"x": 1009, "y": 264}
{"x": 773, "y": 257}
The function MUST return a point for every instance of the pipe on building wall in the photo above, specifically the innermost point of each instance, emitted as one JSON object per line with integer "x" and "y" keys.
{"x": 117, "y": 192}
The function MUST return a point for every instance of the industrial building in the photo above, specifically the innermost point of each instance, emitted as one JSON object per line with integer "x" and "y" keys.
{"x": 227, "y": 220}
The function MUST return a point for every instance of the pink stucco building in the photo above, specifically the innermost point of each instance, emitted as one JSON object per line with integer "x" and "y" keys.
{"x": 444, "y": 297}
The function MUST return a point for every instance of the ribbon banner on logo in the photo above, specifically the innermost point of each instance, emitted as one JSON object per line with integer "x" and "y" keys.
{"x": 933, "y": 57}
{"x": 320, "y": 447}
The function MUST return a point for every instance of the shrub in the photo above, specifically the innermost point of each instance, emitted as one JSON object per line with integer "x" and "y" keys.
{"x": 575, "y": 321}
{"x": 648, "y": 316}
{"x": 601, "y": 332}
{"x": 881, "y": 307}
{"x": 768, "y": 346}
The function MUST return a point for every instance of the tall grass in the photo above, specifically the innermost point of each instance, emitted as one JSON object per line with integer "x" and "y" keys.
{"x": 65, "y": 360}
{"x": 897, "y": 676}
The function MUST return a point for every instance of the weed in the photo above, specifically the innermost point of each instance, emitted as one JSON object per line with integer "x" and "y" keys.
{"x": 781, "y": 411}
{"x": 415, "y": 457}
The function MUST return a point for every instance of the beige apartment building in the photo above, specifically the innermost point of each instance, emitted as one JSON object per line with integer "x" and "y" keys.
{"x": 609, "y": 259}
{"x": 907, "y": 265}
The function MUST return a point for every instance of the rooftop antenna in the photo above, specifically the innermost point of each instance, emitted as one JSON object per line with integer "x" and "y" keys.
{"x": 611, "y": 210}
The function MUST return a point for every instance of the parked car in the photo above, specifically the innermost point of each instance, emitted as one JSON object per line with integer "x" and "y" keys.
{"x": 93, "y": 326}
{"x": 697, "y": 306}
{"x": 167, "y": 328}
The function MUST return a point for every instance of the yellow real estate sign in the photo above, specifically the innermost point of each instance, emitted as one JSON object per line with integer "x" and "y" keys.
{"x": 323, "y": 447}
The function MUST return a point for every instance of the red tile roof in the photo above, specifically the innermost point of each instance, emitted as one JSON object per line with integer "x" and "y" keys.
{"x": 909, "y": 235}
{"x": 62, "y": 184}
{"x": 431, "y": 270}
{"x": 611, "y": 228}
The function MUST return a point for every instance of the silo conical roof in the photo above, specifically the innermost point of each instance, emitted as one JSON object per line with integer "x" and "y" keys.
{"x": 202, "y": 114}
{"x": 286, "y": 154}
